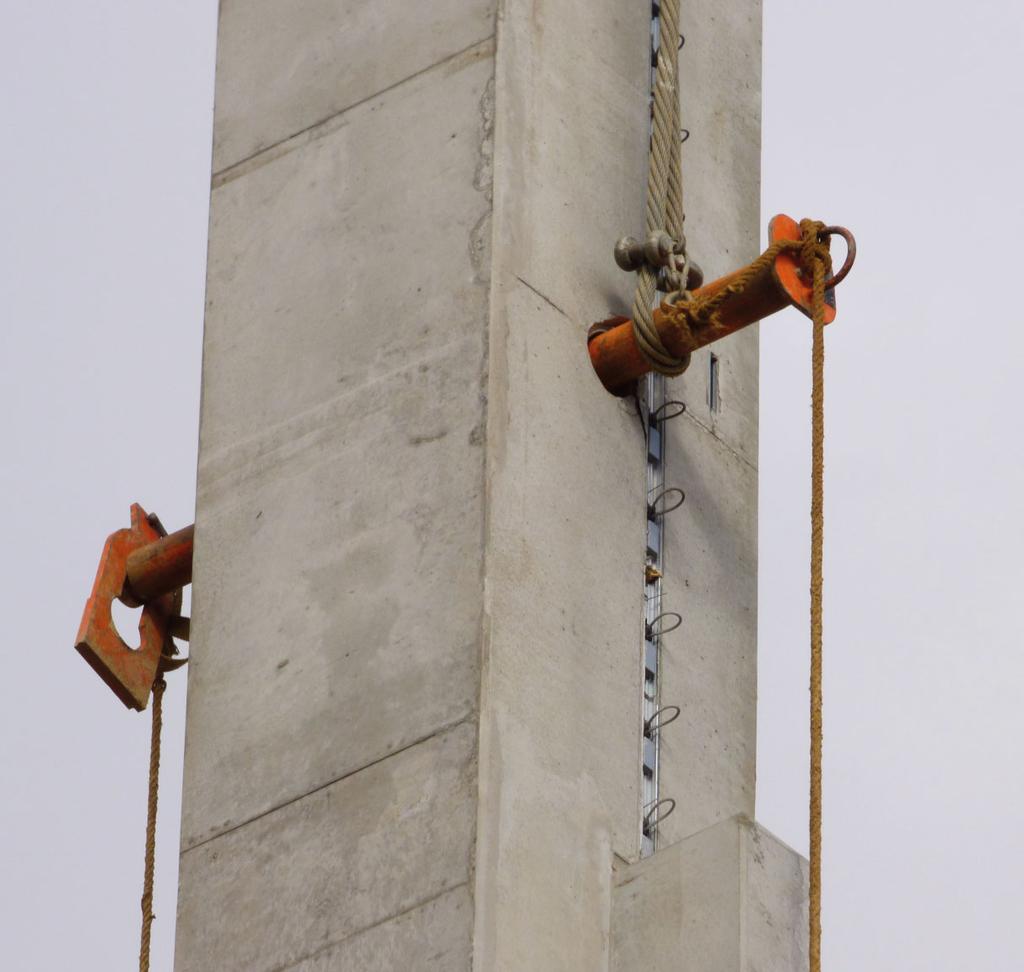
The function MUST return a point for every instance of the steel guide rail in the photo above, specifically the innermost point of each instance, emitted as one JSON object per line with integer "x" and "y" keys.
{"x": 653, "y": 402}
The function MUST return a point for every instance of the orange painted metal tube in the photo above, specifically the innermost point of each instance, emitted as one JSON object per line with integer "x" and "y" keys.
{"x": 160, "y": 567}
{"x": 612, "y": 345}
{"x": 618, "y": 361}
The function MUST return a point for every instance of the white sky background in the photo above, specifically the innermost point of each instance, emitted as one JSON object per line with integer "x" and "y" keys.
{"x": 900, "y": 119}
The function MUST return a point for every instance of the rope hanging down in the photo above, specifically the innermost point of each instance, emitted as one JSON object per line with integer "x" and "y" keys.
{"x": 818, "y": 259}
{"x": 664, "y": 193}
{"x": 701, "y": 312}
{"x": 154, "y": 785}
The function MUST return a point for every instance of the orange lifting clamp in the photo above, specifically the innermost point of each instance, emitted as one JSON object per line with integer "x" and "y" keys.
{"x": 617, "y": 358}
{"x": 140, "y": 566}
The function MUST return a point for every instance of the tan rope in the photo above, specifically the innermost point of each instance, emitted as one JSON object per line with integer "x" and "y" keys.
{"x": 154, "y": 785}
{"x": 664, "y": 189}
{"x": 702, "y": 312}
{"x": 820, "y": 266}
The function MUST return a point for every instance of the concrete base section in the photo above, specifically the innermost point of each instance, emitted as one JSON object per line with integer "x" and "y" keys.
{"x": 731, "y": 898}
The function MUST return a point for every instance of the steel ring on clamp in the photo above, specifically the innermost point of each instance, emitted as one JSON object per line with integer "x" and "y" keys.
{"x": 652, "y": 817}
{"x": 655, "y": 723}
{"x": 652, "y": 505}
{"x": 661, "y": 413}
{"x": 651, "y": 633}
{"x": 851, "y": 253}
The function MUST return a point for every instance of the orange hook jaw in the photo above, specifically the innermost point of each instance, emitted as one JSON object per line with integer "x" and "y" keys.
{"x": 129, "y": 673}
{"x": 618, "y": 361}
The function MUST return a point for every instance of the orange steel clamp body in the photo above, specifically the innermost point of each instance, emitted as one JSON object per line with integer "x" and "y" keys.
{"x": 618, "y": 360}
{"x": 140, "y": 565}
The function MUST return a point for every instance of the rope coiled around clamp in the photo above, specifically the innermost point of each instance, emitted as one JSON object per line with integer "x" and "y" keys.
{"x": 700, "y": 312}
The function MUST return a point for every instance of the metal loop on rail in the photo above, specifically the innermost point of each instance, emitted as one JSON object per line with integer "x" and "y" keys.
{"x": 651, "y": 633}
{"x": 652, "y": 818}
{"x": 652, "y": 505}
{"x": 655, "y": 723}
{"x": 659, "y": 414}
{"x": 851, "y": 253}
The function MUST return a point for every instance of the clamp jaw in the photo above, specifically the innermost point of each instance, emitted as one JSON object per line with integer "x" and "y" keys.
{"x": 140, "y": 565}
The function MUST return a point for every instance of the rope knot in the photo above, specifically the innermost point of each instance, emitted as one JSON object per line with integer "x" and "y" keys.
{"x": 814, "y": 249}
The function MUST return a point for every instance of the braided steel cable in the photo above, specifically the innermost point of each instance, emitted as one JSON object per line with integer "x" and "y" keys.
{"x": 664, "y": 188}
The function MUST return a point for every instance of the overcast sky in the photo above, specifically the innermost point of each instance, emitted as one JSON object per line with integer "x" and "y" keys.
{"x": 900, "y": 119}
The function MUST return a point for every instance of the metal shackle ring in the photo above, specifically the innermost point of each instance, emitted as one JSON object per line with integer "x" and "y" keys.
{"x": 851, "y": 253}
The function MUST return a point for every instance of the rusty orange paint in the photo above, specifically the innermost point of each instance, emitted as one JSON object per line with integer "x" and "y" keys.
{"x": 613, "y": 348}
{"x": 130, "y": 673}
{"x": 159, "y": 568}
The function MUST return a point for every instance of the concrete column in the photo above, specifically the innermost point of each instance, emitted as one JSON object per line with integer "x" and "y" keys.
{"x": 414, "y": 725}
{"x": 331, "y": 747}
{"x": 731, "y": 898}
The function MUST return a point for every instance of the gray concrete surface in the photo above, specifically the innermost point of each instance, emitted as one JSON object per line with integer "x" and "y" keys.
{"x": 415, "y": 696}
{"x": 283, "y": 68}
{"x": 434, "y": 937}
{"x": 329, "y": 798}
{"x": 340, "y": 484}
{"x": 731, "y": 898}
{"x": 295, "y": 882}
{"x": 709, "y": 664}
{"x": 561, "y": 680}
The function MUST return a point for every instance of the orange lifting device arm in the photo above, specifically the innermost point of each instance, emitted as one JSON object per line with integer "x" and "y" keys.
{"x": 618, "y": 360}
{"x": 139, "y": 566}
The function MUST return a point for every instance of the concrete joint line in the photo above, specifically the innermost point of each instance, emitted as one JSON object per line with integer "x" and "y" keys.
{"x": 286, "y": 436}
{"x": 440, "y": 731}
{"x": 725, "y": 445}
{"x": 547, "y": 300}
{"x": 362, "y": 931}
{"x": 327, "y": 125}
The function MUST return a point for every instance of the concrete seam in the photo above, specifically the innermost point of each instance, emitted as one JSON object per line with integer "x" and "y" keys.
{"x": 291, "y": 429}
{"x": 743, "y": 883}
{"x": 481, "y": 249}
{"x": 440, "y": 731}
{"x": 285, "y": 145}
{"x": 361, "y": 931}
{"x": 714, "y": 435}
{"x": 547, "y": 300}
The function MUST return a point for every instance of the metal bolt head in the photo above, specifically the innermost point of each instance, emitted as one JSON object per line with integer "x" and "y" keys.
{"x": 694, "y": 276}
{"x": 658, "y": 249}
{"x": 629, "y": 253}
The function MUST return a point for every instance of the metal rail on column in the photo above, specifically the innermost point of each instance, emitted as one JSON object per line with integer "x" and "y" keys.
{"x": 658, "y": 621}
{"x": 651, "y": 401}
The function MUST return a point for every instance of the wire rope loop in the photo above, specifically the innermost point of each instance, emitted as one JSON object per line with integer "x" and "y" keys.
{"x": 661, "y": 413}
{"x": 851, "y": 253}
{"x": 652, "y": 817}
{"x": 653, "y": 511}
{"x": 655, "y": 723}
{"x": 662, "y": 630}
